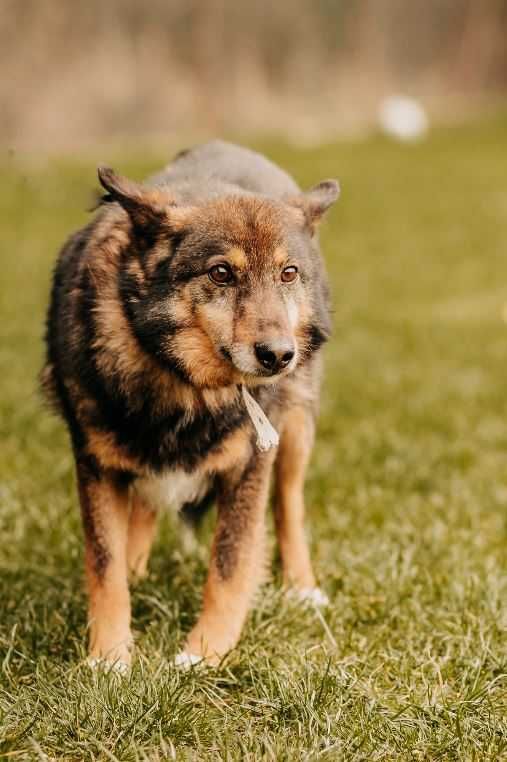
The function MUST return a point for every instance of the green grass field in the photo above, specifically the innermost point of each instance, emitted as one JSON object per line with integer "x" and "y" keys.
{"x": 407, "y": 493}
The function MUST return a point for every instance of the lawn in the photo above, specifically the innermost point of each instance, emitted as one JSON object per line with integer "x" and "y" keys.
{"x": 407, "y": 493}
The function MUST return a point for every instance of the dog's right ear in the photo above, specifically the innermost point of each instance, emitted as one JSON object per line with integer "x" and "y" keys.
{"x": 143, "y": 205}
{"x": 315, "y": 202}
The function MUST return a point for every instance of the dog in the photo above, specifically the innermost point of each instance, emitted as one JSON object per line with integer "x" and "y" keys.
{"x": 185, "y": 321}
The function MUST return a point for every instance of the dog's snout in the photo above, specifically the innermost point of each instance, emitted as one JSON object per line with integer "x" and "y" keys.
{"x": 275, "y": 355}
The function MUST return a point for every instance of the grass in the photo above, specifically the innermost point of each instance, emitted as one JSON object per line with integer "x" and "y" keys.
{"x": 407, "y": 494}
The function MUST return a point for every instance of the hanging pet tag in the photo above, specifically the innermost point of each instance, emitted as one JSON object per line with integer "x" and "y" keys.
{"x": 267, "y": 436}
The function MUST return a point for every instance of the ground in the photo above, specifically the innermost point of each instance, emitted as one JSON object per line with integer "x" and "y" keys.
{"x": 407, "y": 492}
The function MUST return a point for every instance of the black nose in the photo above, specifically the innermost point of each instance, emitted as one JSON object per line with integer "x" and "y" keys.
{"x": 276, "y": 355}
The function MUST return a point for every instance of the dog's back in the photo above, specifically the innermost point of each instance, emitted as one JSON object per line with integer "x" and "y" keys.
{"x": 217, "y": 168}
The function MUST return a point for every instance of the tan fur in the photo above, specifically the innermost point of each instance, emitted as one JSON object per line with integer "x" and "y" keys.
{"x": 119, "y": 349}
{"x": 293, "y": 455}
{"x": 232, "y": 215}
{"x": 237, "y": 257}
{"x": 266, "y": 313}
{"x": 177, "y": 310}
{"x": 158, "y": 254}
{"x": 109, "y": 600}
{"x": 104, "y": 446}
{"x": 227, "y": 598}
{"x": 216, "y": 399}
{"x": 280, "y": 256}
{"x": 203, "y": 365}
{"x": 141, "y": 533}
{"x": 235, "y": 449}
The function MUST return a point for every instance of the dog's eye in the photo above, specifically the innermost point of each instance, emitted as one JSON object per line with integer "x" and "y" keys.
{"x": 290, "y": 274}
{"x": 221, "y": 274}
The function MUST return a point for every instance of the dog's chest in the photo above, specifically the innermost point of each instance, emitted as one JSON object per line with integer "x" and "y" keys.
{"x": 172, "y": 488}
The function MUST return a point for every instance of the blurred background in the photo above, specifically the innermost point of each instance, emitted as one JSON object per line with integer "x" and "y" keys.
{"x": 78, "y": 73}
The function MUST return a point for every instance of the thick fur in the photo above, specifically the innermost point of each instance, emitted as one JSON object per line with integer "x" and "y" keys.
{"x": 145, "y": 355}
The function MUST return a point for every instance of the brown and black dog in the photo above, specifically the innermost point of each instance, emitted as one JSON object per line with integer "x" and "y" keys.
{"x": 180, "y": 292}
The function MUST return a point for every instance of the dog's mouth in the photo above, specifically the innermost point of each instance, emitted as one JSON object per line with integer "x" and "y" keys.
{"x": 251, "y": 371}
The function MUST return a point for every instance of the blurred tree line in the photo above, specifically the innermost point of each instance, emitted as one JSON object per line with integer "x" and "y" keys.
{"x": 75, "y": 71}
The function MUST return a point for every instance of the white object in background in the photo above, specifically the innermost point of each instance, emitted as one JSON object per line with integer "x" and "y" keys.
{"x": 403, "y": 118}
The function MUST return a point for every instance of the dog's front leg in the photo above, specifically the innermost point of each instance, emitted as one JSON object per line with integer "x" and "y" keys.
{"x": 105, "y": 513}
{"x": 293, "y": 455}
{"x": 237, "y": 562}
{"x": 141, "y": 533}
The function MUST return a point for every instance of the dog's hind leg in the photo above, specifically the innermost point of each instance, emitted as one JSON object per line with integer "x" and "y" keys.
{"x": 105, "y": 513}
{"x": 141, "y": 533}
{"x": 237, "y": 562}
{"x": 293, "y": 454}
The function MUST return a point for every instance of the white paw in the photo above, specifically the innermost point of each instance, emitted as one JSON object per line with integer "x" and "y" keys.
{"x": 119, "y": 667}
{"x": 186, "y": 660}
{"x": 313, "y": 595}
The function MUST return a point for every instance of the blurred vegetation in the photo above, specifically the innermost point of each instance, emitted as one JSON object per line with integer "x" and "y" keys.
{"x": 407, "y": 494}
{"x": 80, "y": 72}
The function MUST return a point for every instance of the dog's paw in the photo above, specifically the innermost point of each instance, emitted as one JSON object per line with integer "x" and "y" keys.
{"x": 117, "y": 667}
{"x": 312, "y": 595}
{"x": 186, "y": 660}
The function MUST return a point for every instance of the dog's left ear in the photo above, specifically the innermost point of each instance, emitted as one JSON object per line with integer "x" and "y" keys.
{"x": 315, "y": 202}
{"x": 143, "y": 205}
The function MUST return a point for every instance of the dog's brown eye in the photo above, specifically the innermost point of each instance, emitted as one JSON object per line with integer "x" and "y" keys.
{"x": 220, "y": 274}
{"x": 290, "y": 274}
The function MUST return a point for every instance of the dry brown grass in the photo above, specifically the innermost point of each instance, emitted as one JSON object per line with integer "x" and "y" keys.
{"x": 80, "y": 72}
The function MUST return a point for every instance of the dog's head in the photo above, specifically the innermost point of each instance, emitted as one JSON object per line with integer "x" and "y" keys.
{"x": 229, "y": 291}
